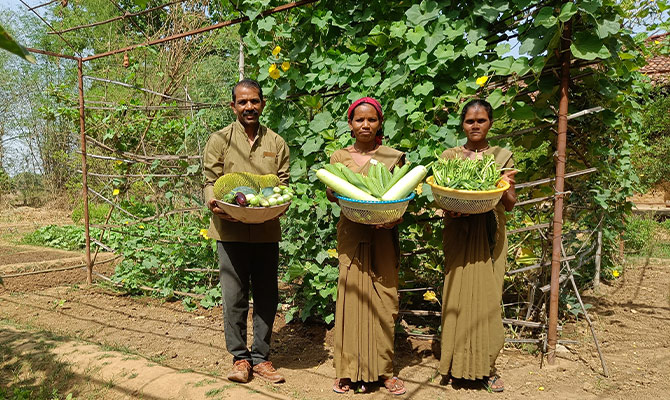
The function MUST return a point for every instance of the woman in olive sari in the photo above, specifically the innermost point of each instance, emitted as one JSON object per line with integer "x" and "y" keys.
{"x": 475, "y": 251}
{"x": 367, "y": 288}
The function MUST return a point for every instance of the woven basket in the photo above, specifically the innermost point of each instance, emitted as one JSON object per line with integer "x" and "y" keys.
{"x": 252, "y": 215}
{"x": 467, "y": 201}
{"x": 373, "y": 212}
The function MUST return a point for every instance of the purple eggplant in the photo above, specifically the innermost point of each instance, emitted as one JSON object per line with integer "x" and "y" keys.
{"x": 241, "y": 199}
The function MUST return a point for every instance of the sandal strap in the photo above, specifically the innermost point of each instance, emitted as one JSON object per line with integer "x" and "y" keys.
{"x": 393, "y": 384}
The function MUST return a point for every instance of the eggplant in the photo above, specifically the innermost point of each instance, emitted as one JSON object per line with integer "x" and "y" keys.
{"x": 241, "y": 199}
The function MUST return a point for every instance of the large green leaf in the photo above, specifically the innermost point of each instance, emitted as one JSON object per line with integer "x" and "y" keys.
{"x": 606, "y": 28}
{"x": 321, "y": 121}
{"x": 8, "y": 43}
{"x": 567, "y": 11}
{"x": 545, "y": 17}
{"x": 427, "y": 11}
{"x": 588, "y": 46}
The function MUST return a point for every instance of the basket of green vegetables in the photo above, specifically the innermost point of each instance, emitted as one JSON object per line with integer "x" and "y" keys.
{"x": 377, "y": 198}
{"x": 252, "y": 198}
{"x": 467, "y": 186}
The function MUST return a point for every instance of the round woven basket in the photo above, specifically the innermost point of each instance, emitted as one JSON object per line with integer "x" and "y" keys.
{"x": 373, "y": 212}
{"x": 252, "y": 215}
{"x": 467, "y": 201}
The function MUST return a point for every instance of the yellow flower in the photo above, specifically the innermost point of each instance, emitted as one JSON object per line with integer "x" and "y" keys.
{"x": 332, "y": 253}
{"x": 481, "y": 81}
{"x": 274, "y": 72}
{"x": 127, "y": 222}
{"x": 203, "y": 233}
{"x": 615, "y": 273}
{"x": 141, "y": 226}
{"x": 275, "y": 51}
{"x": 285, "y": 66}
{"x": 430, "y": 296}
{"x": 419, "y": 188}
{"x": 119, "y": 162}
{"x": 116, "y": 192}
{"x": 657, "y": 42}
{"x": 541, "y": 388}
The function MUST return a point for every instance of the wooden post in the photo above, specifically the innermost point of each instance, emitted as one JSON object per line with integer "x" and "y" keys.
{"x": 561, "y": 143}
{"x": 84, "y": 169}
{"x": 599, "y": 250}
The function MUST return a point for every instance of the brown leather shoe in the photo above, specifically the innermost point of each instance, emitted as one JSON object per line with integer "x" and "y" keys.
{"x": 266, "y": 371}
{"x": 240, "y": 372}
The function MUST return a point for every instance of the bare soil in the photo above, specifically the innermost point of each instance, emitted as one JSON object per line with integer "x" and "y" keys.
{"x": 104, "y": 344}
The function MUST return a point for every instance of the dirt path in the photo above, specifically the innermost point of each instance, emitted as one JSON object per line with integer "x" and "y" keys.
{"x": 116, "y": 336}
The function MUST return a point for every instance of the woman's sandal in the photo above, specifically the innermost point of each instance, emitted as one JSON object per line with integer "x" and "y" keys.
{"x": 342, "y": 385}
{"x": 494, "y": 384}
{"x": 395, "y": 386}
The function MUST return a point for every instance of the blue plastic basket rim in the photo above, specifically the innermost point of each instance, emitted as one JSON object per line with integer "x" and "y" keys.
{"x": 410, "y": 197}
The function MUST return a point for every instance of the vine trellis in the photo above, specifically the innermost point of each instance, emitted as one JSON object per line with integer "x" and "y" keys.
{"x": 563, "y": 265}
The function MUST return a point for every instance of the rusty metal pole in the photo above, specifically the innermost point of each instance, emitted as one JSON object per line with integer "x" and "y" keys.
{"x": 561, "y": 142}
{"x": 84, "y": 169}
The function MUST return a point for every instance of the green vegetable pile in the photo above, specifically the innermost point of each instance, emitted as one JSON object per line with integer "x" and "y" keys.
{"x": 246, "y": 196}
{"x": 378, "y": 181}
{"x": 467, "y": 174}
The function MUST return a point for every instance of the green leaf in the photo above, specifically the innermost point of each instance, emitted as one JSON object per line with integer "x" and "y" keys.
{"x": 398, "y": 29}
{"x": 445, "y": 52}
{"x": 356, "y": 62}
{"x": 588, "y": 46}
{"x": 590, "y": 6}
{"x": 424, "y": 88}
{"x": 522, "y": 111}
{"x": 472, "y": 49}
{"x": 606, "y": 28}
{"x": 267, "y": 23}
{"x": 490, "y": 13}
{"x": 416, "y": 62}
{"x": 399, "y": 106}
{"x": 567, "y": 11}
{"x": 502, "y": 66}
{"x": 416, "y": 34}
{"x": 312, "y": 145}
{"x": 9, "y": 44}
{"x": 321, "y": 121}
{"x": 433, "y": 40}
{"x": 496, "y": 98}
{"x": 545, "y": 17}
{"x": 421, "y": 14}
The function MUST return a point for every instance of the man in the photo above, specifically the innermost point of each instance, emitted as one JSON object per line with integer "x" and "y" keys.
{"x": 248, "y": 253}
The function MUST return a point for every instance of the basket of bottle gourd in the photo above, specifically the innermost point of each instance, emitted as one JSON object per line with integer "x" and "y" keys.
{"x": 467, "y": 186}
{"x": 252, "y": 198}
{"x": 377, "y": 198}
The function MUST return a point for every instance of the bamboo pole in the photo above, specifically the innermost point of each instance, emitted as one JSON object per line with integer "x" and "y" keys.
{"x": 599, "y": 249}
{"x": 561, "y": 143}
{"x": 281, "y": 8}
{"x": 84, "y": 169}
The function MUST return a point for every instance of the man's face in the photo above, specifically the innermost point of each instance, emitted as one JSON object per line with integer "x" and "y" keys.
{"x": 247, "y": 105}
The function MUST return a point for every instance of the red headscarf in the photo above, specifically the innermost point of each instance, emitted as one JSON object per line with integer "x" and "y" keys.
{"x": 374, "y": 103}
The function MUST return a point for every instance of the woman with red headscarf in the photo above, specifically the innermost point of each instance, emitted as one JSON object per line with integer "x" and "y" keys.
{"x": 367, "y": 288}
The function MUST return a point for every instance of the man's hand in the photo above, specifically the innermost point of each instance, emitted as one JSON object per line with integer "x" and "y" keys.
{"x": 331, "y": 196}
{"x": 389, "y": 225}
{"x": 219, "y": 212}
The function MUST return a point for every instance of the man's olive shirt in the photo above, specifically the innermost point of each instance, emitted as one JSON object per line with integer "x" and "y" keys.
{"x": 228, "y": 150}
